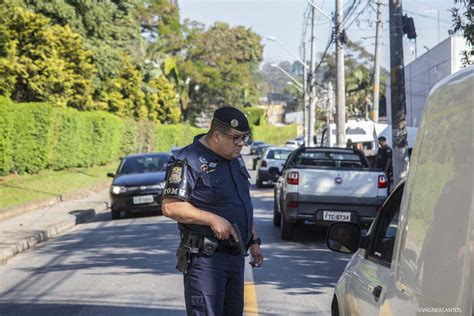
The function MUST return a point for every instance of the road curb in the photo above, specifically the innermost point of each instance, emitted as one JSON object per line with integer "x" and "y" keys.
{"x": 50, "y": 232}
{"x": 12, "y": 211}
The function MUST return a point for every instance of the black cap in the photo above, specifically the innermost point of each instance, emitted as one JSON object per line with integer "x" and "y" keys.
{"x": 382, "y": 139}
{"x": 232, "y": 117}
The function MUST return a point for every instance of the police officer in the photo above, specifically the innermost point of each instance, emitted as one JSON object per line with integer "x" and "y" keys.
{"x": 383, "y": 159}
{"x": 207, "y": 193}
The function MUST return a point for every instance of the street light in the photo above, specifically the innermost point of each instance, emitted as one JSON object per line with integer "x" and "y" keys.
{"x": 311, "y": 3}
{"x": 297, "y": 83}
{"x": 299, "y": 88}
{"x": 274, "y": 39}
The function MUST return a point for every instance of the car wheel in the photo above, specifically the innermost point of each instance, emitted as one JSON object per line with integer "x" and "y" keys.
{"x": 287, "y": 229}
{"x": 259, "y": 183}
{"x": 334, "y": 307}
{"x": 276, "y": 214}
{"x": 115, "y": 214}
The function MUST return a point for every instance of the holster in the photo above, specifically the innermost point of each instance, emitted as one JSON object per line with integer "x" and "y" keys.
{"x": 191, "y": 245}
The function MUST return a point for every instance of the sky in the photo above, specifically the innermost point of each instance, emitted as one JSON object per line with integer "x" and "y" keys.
{"x": 284, "y": 20}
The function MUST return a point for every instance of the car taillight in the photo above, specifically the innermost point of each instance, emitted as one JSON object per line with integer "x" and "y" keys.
{"x": 293, "y": 178}
{"x": 383, "y": 182}
{"x": 264, "y": 164}
{"x": 293, "y": 204}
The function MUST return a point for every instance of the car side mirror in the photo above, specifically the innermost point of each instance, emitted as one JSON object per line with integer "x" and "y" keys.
{"x": 274, "y": 171}
{"x": 110, "y": 175}
{"x": 344, "y": 237}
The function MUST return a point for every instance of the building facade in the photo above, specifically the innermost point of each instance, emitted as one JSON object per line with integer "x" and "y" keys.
{"x": 427, "y": 70}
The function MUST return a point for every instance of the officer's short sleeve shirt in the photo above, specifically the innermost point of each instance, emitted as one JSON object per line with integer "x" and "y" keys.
{"x": 217, "y": 185}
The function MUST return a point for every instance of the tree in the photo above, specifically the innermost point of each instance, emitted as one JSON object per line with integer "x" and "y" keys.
{"x": 43, "y": 62}
{"x": 358, "y": 79}
{"x": 275, "y": 81}
{"x": 464, "y": 22}
{"x": 220, "y": 66}
{"x": 160, "y": 24}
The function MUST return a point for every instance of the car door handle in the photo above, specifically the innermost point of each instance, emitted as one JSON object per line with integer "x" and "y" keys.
{"x": 376, "y": 293}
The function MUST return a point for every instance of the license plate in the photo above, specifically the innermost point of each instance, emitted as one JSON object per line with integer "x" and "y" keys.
{"x": 337, "y": 216}
{"x": 143, "y": 199}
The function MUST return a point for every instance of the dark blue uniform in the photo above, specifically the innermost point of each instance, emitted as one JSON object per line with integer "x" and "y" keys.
{"x": 214, "y": 285}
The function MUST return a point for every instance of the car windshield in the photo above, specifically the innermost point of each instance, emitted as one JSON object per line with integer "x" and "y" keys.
{"x": 144, "y": 164}
{"x": 261, "y": 149}
{"x": 329, "y": 159}
{"x": 278, "y": 154}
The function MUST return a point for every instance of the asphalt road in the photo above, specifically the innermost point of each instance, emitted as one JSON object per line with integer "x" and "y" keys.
{"x": 126, "y": 267}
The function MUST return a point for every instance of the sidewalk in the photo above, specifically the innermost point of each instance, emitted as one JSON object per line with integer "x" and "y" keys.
{"x": 23, "y": 231}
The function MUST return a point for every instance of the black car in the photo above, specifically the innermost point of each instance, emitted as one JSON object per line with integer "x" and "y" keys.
{"x": 138, "y": 183}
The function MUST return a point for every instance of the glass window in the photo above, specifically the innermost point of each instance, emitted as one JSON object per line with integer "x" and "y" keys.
{"x": 386, "y": 228}
{"x": 329, "y": 159}
{"x": 355, "y": 131}
{"x": 144, "y": 164}
{"x": 279, "y": 154}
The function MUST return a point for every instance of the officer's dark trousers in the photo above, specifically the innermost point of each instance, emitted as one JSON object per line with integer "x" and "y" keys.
{"x": 214, "y": 285}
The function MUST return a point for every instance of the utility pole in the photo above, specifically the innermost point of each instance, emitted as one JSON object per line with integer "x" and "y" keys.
{"x": 397, "y": 80}
{"x": 330, "y": 104}
{"x": 312, "y": 84}
{"x": 375, "y": 102}
{"x": 340, "y": 83}
{"x": 305, "y": 98}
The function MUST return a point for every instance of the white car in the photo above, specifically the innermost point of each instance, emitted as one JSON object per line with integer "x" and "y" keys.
{"x": 272, "y": 157}
{"x": 292, "y": 144}
{"x": 418, "y": 256}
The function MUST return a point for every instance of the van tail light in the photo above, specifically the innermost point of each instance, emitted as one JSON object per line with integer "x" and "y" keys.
{"x": 293, "y": 204}
{"x": 293, "y": 178}
{"x": 264, "y": 164}
{"x": 383, "y": 182}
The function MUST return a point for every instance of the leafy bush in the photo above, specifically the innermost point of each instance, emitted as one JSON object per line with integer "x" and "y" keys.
{"x": 255, "y": 116}
{"x": 176, "y": 135}
{"x": 276, "y": 135}
{"x": 32, "y": 139}
{"x": 6, "y": 124}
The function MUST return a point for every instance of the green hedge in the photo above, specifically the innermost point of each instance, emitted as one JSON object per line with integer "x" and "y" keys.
{"x": 175, "y": 135}
{"x": 255, "y": 116}
{"x": 36, "y": 136}
{"x": 32, "y": 137}
{"x": 6, "y": 125}
{"x": 275, "y": 135}
{"x": 85, "y": 139}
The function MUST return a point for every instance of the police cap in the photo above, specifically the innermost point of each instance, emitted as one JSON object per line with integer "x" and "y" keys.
{"x": 232, "y": 117}
{"x": 382, "y": 139}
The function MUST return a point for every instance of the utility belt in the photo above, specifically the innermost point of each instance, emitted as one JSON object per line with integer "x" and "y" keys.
{"x": 195, "y": 245}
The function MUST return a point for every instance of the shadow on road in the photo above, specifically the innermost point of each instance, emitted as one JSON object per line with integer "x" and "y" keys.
{"x": 301, "y": 267}
{"x": 83, "y": 309}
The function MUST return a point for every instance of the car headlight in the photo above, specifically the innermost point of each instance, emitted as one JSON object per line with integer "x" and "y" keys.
{"x": 117, "y": 190}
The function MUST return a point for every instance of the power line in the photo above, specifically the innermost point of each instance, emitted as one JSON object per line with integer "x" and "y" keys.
{"x": 428, "y": 17}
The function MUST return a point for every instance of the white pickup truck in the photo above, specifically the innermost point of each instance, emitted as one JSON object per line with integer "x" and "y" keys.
{"x": 323, "y": 185}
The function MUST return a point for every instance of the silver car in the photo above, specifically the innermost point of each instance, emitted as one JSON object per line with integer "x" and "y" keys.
{"x": 271, "y": 157}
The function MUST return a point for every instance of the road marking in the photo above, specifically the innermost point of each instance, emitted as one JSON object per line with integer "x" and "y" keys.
{"x": 250, "y": 299}
{"x": 250, "y": 291}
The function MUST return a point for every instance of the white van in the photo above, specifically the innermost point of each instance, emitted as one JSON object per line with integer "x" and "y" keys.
{"x": 418, "y": 256}
{"x": 366, "y": 133}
